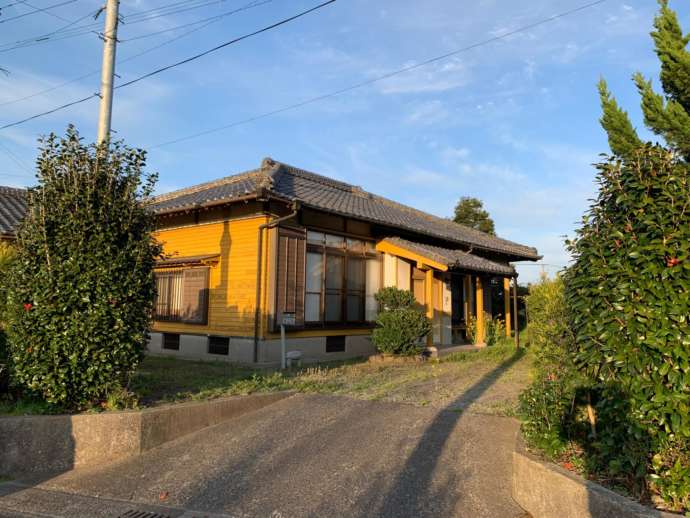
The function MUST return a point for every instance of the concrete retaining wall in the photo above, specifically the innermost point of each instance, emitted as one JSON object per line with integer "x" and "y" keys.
{"x": 546, "y": 490}
{"x": 34, "y": 444}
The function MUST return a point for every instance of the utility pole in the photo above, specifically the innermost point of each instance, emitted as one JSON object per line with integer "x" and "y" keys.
{"x": 108, "y": 69}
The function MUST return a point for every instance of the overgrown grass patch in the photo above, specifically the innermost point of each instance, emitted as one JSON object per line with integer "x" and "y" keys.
{"x": 160, "y": 380}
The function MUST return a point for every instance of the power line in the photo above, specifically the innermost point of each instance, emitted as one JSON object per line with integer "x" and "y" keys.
{"x": 377, "y": 79}
{"x": 49, "y": 13}
{"x": 208, "y": 21}
{"x": 37, "y": 10}
{"x": 227, "y": 43}
{"x": 92, "y": 28}
{"x": 14, "y": 157}
{"x": 173, "y": 65}
{"x": 215, "y": 18}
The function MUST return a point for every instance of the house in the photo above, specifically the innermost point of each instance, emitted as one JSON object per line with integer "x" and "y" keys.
{"x": 280, "y": 245}
{"x": 12, "y": 211}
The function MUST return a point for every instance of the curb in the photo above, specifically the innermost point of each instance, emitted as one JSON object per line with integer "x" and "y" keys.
{"x": 546, "y": 490}
{"x": 36, "y": 444}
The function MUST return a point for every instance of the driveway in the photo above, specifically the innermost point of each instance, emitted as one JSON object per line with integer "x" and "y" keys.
{"x": 307, "y": 455}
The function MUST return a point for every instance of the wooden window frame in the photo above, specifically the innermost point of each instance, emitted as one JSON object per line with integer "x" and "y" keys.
{"x": 346, "y": 254}
{"x": 176, "y": 314}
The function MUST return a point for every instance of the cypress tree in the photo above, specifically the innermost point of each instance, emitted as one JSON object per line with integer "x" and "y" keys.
{"x": 667, "y": 114}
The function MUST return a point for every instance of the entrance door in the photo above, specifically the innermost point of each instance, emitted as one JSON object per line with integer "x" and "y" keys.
{"x": 457, "y": 314}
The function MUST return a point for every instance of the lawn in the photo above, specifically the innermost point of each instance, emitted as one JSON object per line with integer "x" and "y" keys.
{"x": 486, "y": 381}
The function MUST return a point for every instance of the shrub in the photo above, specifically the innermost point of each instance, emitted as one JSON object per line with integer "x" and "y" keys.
{"x": 400, "y": 325}
{"x": 7, "y": 255}
{"x": 628, "y": 293}
{"x": 81, "y": 290}
{"x": 495, "y": 330}
{"x": 547, "y": 405}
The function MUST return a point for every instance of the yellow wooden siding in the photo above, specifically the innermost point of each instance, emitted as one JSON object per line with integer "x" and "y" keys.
{"x": 232, "y": 282}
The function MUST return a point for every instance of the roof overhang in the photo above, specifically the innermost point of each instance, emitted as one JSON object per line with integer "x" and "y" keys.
{"x": 422, "y": 260}
{"x": 195, "y": 260}
{"x": 442, "y": 259}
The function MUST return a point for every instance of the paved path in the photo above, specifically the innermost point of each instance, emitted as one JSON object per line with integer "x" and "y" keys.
{"x": 307, "y": 455}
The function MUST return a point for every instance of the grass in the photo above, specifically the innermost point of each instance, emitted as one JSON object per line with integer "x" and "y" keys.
{"x": 436, "y": 383}
{"x": 164, "y": 380}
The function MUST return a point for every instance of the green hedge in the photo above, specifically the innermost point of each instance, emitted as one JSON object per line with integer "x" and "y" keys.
{"x": 81, "y": 289}
{"x": 628, "y": 299}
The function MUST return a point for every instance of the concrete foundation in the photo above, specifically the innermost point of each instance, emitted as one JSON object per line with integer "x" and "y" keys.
{"x": 241, "y": 349}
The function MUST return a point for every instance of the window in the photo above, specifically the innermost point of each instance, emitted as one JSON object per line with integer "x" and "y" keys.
{"x": 219, "y": 345}
{"x": 182, "y": 295}
{"x": 171, "y": 341}
{"x": 168, "y": 295}
{"x": 342, "y": 276}
{"x": 335, "y": 344}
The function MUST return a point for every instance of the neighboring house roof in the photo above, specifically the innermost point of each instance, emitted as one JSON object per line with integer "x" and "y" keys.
{"x": 452, "y": 258}
{"x": 316, "y": 191}
{"x": 12, "y": 210}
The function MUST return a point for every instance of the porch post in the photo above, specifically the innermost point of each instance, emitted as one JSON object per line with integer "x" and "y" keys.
{"x": 506, "y": 304}
{"x": 429, "y": 298}
{"x": 479, "y": 301}
{"x": 515, "y": 312}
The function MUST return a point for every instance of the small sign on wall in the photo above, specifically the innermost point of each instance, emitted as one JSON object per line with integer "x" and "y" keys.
{"x": 288, "y": 319}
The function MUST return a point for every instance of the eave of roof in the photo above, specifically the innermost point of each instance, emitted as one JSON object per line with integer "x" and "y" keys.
{"x": 284, "y": 182}
{"x": 447, "y": 258}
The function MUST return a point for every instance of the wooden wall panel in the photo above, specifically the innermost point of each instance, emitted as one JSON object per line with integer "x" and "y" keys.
{"x": 232, "y": 283}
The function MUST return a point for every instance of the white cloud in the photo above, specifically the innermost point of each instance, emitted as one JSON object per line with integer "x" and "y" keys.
{"x": 425, "y": 177}
{"x": 454, "y": 154}
{"x": 439, "y": 77}
{"x": 426, "y": 113}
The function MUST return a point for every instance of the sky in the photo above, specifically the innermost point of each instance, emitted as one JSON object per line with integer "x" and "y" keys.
{"x": 513, "y": 122}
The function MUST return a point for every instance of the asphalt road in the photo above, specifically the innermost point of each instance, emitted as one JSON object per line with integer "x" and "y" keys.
{"x": 307, "y": 455}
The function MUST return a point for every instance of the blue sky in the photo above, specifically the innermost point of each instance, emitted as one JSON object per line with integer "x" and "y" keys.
{"x": 514, "y": 123}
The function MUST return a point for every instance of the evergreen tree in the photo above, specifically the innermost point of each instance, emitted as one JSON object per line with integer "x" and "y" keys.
{"x": 470, "y": 212}
{"x": 667, "y": 115}
{"x": 81, "y": 286}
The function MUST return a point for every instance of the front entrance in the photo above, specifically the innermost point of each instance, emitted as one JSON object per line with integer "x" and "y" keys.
{"x": 458, "y": 308}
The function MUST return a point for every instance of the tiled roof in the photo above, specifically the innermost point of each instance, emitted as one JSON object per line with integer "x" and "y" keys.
{"x": 12, "y": 209}
{"x": 453, "y": 258}
{"x": 330, "y": 195}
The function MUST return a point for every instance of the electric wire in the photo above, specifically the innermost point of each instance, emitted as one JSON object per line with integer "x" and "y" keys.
{"x": 176, "y": 64}
{"x": 37, "y": 10}
{"x": 206, "y": 22}
{"x": 121, "y": 61}
{"x": 92, "y": 28}
{"x": 382, "y": 77}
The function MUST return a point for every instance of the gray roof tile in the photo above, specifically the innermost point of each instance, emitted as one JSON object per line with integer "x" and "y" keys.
{"x": 12, "y": 209}
{"x": 453, "y": 258}
{"x": 331, "y": 195}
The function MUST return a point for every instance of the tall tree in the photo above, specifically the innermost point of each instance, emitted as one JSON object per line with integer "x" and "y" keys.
{"x": 471, "y": 213}
{"x": 667, "y": 114}
{"x": 81, "y": 286}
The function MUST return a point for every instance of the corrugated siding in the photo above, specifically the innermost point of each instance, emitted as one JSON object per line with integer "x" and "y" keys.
{"x": 232, "y": 283}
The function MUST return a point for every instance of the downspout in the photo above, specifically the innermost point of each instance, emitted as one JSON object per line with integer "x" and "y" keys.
{"x": 515, "y": 312}
{"x": 259, "y": 265}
